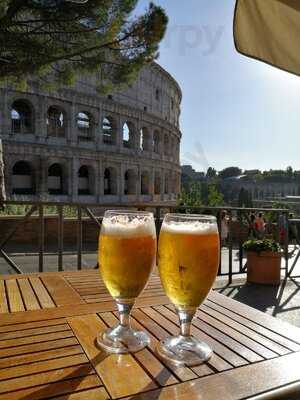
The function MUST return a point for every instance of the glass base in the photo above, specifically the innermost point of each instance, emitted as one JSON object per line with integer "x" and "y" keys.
{"x": 184, "y": 351}
{"x": 122, "y": 340}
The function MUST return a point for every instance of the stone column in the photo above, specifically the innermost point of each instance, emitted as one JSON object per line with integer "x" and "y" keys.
{"x": 96, "y": 180}
{"x": 101, "y": 180}
{"x": 99, "y": 134}
{"x": 122, "y": 181}
{"x": 75, "y": 166}
{"x": 41, "y": 118}
{"x": 71, "y": 125}
{"x": 5, "y": 113}
{"x": 41, "y": 177}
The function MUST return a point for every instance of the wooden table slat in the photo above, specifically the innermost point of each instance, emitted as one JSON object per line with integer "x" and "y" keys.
{"x": 236, "y": 384}
{"x": 275, "y": 337}
{"x": 41, "y": 293}
{"x": 35, "y": 339}
{"x": 121, "y": 374}
{"x": 151, "y": 364}
{"x": 55, "y": 389}
{"x": 278, "y": 326}
{"x": 42, "y": 366}
{"x": 14, "y": 296}
{"x": 37, "y": 347}
{"x": 267, "y": 343}
{"x": 222, "y": 354}
{"x": 3, "y": 299}
{"x": 46, "y": 377}
{"x": 182, "y": 373}
{"x": 29, "y": 297}
{"x": 61, "y": 292}
{"x": 39, "y": 356}
{"x": 33, "y": 331}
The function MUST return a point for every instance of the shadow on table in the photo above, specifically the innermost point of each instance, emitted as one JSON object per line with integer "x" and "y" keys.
{"x": 275, "y": 300}
{"x": 72, "y": 381}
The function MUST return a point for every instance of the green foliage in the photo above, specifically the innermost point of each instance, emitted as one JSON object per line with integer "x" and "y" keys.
{"x": 230, "y": 172}
{"x": 19, "y": 210}
{"x": 215, "y": 198}
{"x": 211, "y": 173}
{"x": 199, "y": 194}
{"x": 191, "y": 197}
{"x": 272, "y": 216}
{"x": 258, "y": 246}
{"x": 57, "y": 40}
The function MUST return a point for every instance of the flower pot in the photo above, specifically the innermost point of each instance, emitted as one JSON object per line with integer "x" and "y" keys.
{"x": 263, "y": 267}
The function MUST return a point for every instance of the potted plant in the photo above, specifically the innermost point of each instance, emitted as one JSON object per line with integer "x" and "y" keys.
{"x": 263, "y": 261}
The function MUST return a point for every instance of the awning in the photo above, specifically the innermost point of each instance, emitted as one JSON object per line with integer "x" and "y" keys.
{"x": 269, "y": 31}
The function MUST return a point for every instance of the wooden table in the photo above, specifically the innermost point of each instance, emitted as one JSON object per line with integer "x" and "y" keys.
{"x": 48, "y": 325}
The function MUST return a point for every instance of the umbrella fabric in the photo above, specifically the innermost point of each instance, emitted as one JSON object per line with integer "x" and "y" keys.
{"x": 269, "y": 30}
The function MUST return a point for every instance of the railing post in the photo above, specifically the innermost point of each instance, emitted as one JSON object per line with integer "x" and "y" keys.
{"x": 79, "y": 238}
{"x": 230, "y": 248}
{"x": 219, "y": 214}
{"x": 41, "y": 237}
{"x": 60, "y": 237}
{"x": 286, "y": 244}
{"x": 157, "y": 220}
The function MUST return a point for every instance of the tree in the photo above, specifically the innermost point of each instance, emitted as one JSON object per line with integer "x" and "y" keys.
{"x": 192, "y": 196}
{"x": 211, "y": 173}
{"x": 215, "y": 198}
{"x": 57, "y": 39}
{"x": 290, "y": 172}
{"x": 230, "y": 172}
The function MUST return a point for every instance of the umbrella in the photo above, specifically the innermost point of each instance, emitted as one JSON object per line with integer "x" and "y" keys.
{"x": 269, "y": 31}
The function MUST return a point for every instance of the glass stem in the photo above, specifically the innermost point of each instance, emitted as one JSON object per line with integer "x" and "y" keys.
{"x": 185, "y": 318}
{"x": 124, "y": 309}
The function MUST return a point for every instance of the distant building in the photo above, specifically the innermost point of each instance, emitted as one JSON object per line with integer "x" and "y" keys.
{"x": 188, "y": 172}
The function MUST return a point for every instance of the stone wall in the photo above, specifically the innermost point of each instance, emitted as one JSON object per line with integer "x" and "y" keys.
{"x": 76, "y": 145}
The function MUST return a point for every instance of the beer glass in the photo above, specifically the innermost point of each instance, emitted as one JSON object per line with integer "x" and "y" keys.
{"x": 127, "y": 254}
{"x": 188, "y": 261}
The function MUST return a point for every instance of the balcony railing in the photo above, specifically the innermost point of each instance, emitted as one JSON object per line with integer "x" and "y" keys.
{"x": 232, "y": 260}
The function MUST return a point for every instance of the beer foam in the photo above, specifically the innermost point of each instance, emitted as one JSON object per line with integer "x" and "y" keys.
{"x": 121, "y": 226}
{"x": 190, "y": 228}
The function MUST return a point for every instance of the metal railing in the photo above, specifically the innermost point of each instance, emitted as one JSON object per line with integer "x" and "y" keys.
{"x": 232, "y": 260}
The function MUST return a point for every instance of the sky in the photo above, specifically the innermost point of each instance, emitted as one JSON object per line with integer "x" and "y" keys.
{"x": 235, "y": 111}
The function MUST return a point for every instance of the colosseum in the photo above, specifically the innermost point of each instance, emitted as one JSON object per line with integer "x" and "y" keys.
{"x": 74, "y": 145}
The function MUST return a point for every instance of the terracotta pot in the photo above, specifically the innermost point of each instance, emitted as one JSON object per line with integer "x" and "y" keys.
{"x": 263, "y": 267}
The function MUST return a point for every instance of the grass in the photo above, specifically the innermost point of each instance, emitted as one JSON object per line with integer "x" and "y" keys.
{"x": 19, "y": 210}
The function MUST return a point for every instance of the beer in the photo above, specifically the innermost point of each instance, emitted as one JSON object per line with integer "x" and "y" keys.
{"x": 188, "y": 260}
{"x": 127, "y": 253}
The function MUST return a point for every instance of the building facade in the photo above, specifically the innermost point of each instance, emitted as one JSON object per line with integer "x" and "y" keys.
{"x": 74, "y": 145}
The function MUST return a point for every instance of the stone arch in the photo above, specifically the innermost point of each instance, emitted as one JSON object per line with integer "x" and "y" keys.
{"x": 110, "y": 181}
{"x": 109, "y": 128}
{"x": 156, "y": 141}
{"x": 128, "y": 135}
{"x": 85, "y": 125}
{"x": 56, "y": 181}
{"x": 157, "y": 183}
{"x": 145, "y": 183}
{"x": 22, "y": 117}
{"x": 56, "y": 121}
{"x": 130, "y": 182}
{"x": 145, "y": 143}
{"x": 23, "y": 178}
{"x": 166, "y": 145}
{"x": 85, "y": 180}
